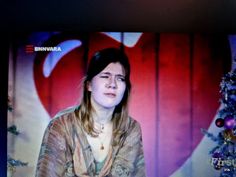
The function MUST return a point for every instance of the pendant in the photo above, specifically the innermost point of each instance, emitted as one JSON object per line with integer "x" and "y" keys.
{"x": 102, "y": 147}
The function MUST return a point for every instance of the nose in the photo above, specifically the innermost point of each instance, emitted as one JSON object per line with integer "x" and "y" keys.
{"x": 112, "y": 83}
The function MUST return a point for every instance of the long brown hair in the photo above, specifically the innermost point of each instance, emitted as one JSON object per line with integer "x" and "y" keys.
{"x": 120, "y": 115}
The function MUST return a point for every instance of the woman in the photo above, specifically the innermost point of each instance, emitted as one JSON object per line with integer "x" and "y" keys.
{"x": 97, "y": 138}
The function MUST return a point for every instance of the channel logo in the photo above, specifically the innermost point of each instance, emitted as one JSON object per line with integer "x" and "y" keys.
{"x": 32, "y": 48}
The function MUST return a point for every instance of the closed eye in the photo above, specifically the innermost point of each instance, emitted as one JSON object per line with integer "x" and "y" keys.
{"x": 104, "y": 76}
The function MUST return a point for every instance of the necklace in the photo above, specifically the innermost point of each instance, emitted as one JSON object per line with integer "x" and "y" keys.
{"x": 103, "y": 135}
{"x": 102, "y": 127}
{"x": 102, "y": 147}
{"x": 101, "y": 141}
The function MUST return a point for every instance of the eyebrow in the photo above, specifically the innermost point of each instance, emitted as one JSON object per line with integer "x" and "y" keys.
{"x": 108, "y": 73}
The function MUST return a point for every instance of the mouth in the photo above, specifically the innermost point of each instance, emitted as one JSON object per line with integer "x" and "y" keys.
{"x": 111, "y": 95}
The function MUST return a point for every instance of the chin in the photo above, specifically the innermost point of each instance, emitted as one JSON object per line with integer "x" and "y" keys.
{"x": 110, "y": 105}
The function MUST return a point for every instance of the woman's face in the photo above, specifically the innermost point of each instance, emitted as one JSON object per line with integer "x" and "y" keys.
{"x": 107, "y": 88}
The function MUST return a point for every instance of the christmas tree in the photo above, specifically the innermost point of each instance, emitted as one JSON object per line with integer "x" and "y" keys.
{"x": 223, "y": 155}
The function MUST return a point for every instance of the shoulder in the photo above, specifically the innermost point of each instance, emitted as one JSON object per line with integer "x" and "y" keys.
{"x": 134, "y": 126}
{"x": 63, "y": 118}
{"x": 133, "y": 122}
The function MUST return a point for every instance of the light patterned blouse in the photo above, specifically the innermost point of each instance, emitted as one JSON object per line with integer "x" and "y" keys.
{"x": 65, "y": 151}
